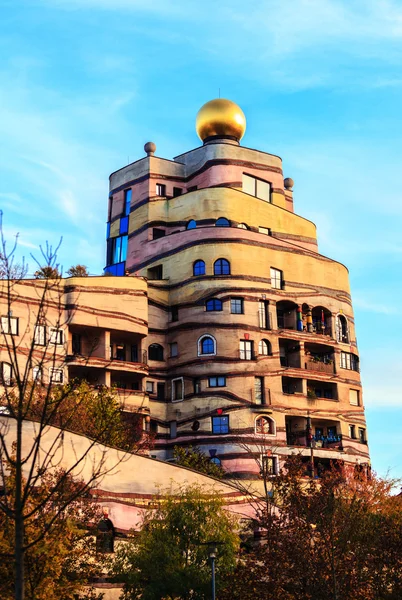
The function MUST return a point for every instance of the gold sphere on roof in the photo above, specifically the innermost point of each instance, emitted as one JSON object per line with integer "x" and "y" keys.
{"x": 220, "y": 117}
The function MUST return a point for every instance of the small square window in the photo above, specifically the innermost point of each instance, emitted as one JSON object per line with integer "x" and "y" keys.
{"x": 173, "y": 349}
{"x": 160, "y": 189}
{"x": 158, "y": 233}
{"x": 56, "y": 375}
{"x": 149, "y": 386}
{"x": 177, "y": 192}
{"x": 217, "y": 381}
{"x": 220, "y": 424}
{"x": 236, "y": 306}
{"x": 9, "y": 325}
{"x": 269, "y": 465}
{"x": 56, "y": 336}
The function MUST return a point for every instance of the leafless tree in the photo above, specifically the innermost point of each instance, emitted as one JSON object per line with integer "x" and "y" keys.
{"x": 22, "y": 356}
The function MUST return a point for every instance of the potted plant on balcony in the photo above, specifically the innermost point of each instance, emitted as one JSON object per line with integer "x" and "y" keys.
{"x": 311, "y": 394}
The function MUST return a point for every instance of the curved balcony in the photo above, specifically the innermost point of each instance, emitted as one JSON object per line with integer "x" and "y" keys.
{"x": 114, "y": 364}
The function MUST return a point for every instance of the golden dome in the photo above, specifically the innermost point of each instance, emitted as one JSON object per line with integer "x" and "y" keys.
{"x": 222, "y": 118}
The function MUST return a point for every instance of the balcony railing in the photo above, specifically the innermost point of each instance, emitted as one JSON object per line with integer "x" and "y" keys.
{"x": 319, "y": 365}
{"x": 318, "y": 440}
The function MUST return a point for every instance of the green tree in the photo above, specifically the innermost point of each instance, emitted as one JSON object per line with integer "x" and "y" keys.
{"x": 78, "y": 271}
{"x": 194, "y": 458}
{"x": 169, "y": 557}
{"x": 47, "y": 272}
{"x": 339, "y": 538}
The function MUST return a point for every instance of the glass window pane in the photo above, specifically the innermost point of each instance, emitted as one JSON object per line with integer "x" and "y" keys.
{"x": 124, "y": 225}
{"x": 248, "y": 185}
{"x": 263, "y": 190}
{"x": 124, "y": 242}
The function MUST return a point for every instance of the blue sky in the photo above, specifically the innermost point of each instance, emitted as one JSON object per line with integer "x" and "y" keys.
{"x": 85, "y": 83}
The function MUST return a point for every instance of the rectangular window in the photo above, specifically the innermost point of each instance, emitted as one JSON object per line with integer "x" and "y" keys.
{"x": 107, "y": 231}
{"x": 173, "y": 349}
{"x": 236, "y": 306}
{"x": 349, "y": 361}
{"x": 177, "y": 192}
{"x": 6, "y": 373}
{"x": 173, "y": 429}
{"x": 220, "y": 424}
{"x": 174, "y": 313}
{"x": 263, "y": 314}
{"x": 177, "y": 389}
{"x": 246, "y": 350}
{"x": 160, "y": 391}
{"x": 264, "y": 230}
{"x": 123, "y": 226}
{"x": 158, "y": 233}
{"x": 217, "y": 381}
{"x": 259, "y": 390}
{"x": 354, "y": 397}
{"x": 155, "y": 272}
{"x": 149, "y": 387}
{"x": 134, "y": 353}
{"x": 56, "y": 336}
{"x": 352, "y": 432}
{"x": 362, "y": 435}
{"x": 127, "y": 201}
{"x": 37, "y": 374}
{"x": 117, "y": 250}
{"x": 110, "y": 208}
{"x": 257, "y": 187}
{"x": 76, "y": 343}
{"x": 197, "y": 386}
{"x": 56, "y": 375}
{"x": 276, "y": 278}
{"x": 160, "y": 189}
{"x": 269, "y": 465}
{"x": 40, "y": 335}
{"x": 9, "y": 325}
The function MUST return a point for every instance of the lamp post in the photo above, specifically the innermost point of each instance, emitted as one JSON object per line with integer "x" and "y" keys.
{"x": 212, "y": 551}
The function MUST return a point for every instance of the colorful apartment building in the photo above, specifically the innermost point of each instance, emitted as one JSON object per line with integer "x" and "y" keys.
{"x": 250, "y": 348}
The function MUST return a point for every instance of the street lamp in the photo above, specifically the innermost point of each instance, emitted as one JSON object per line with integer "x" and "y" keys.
{"x": 212, "y": 552}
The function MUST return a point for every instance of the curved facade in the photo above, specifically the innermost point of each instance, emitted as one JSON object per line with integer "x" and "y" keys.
{"x": 251, "y": 340}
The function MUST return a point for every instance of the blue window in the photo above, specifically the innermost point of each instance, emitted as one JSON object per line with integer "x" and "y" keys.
{"x": 123, "y": 225}
{"x": 217, "y": 381}
{"x": 220, "y": 424}
{"x": 222, "y": 222}
{"x": 117, "y": 250}
{"x": 199, "y": 267}
{"x": 221, "y": 267}
{"x": 107, "y": 231}
{"x": 191, "y": 224}
{"x": 213, "y": 304}
{"x": 207, "y": 345}
{"x": 127, "y": 201}
{"x": 117, "y": 270}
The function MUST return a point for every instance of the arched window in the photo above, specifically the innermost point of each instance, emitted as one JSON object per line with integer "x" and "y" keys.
{"x": 213, "y": 304}
{"x": 206, "y": 345}
{"x": 199, "y": 267}
{"x": 264, "y": 425}
{"x": 191, "y": 224}
{"x": 264, "y": 347}
{"x": 222, "y": 267}
{"x": 242, "y": 226}
{"x": 155, "y": 352}
{"x": 342, "y": 329}
{"x": 222, "y": 222}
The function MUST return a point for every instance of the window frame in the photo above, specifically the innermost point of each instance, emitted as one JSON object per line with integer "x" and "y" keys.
{"x": 52, "y": 371}
{"x": 160, "y": 190}
{"x": 181, "y": 379}
{"x": 56, "y": 336}
{"x": 263, "y": 343}
{"x": 196, "y": 265}
{"x": 272, "y": 426}
{"x": 222, "y": 264}
{"x": 191, "y": 224}
{"x": 128, "y": 194}
{"x": 222, "y": 222}
{"x": 158, "y": 346}
{"x": 150, "y": 387}
{"x": 248, "y": 349}
{"x": 12, "y": 325}
{"x": 211, "y": 379}
{"x": 256, "y": 193}
{"x": 173, "y": 350}
{"x": 214, "y": 300}
{"x": 225, "y": 419}
{"x": 266, "y": 472}
{"x": 6, "y": 380}
{"x": 199, "y": 345}
{"x": 237, "y": 302}
{"x": 39, "y": 332}
{"x": 273, "y": 274}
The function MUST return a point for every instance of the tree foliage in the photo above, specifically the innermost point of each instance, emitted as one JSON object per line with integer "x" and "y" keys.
{"x": 64, "y": 560}
{"x": 169, "y": 558}
{"x": 47, "y": 272}
{"x": 337, "y": 539}
{"x": 194, "y": 458}
{"x": 78, "y": 271}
